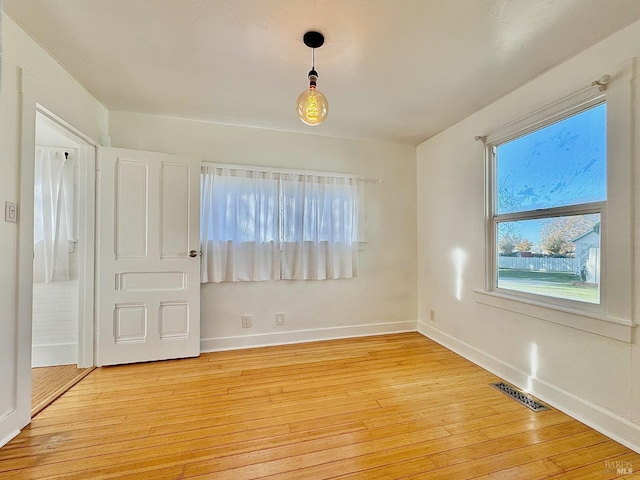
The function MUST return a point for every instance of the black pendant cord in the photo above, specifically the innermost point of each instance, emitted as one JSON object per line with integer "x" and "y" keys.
{"x": 313, "y": 40}
{"x": 313, "y": 72}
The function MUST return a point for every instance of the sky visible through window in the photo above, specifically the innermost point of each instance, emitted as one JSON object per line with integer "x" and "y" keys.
{"x": 559, "y": 165}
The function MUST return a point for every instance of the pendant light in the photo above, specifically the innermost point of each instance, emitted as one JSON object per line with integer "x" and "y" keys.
{"x": 312, "y": 105}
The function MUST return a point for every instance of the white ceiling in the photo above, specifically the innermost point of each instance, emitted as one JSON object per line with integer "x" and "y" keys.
{"x": 392, "y": 70}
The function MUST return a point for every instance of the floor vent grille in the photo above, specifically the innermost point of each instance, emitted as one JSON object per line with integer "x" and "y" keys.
{"x": 519, "y": 397}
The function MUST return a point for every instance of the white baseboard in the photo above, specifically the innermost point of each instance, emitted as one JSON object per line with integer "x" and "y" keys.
{"x": 58, "y": 354}
{"x": 598, "y": 418}
{"x": 303, "y": 336}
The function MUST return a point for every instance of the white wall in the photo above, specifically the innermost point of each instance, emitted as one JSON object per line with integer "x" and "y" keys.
{"x": 55, "y": 323}
{"x": 382, "y": 299}
{"x": 44, "y": 81}
{"x": 594, "y": 377}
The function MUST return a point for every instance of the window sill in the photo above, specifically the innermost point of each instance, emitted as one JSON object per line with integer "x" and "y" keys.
{"x": 616, "y": 328}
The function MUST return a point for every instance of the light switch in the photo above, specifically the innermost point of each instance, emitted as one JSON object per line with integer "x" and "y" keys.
{"x": 10, "y": 212}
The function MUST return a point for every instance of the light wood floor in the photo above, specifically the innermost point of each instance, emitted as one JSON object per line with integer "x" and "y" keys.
{"x": 386, "y": 407}
{"x": 48, "y": 383}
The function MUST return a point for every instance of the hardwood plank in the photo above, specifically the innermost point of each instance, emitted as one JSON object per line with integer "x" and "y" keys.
{"x": 604, "y": 469}
{"x": 600, "y": 453}
{"x": 506, "y": 444}
{"x": 529, "y": 471}
{"x": 488, "y": 464}
{"x": 383, "y": 407}
{"x": 405, "y": 461}
{"x": 49, "y": 383}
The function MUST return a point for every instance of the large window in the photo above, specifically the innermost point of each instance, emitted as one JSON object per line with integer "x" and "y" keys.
{"x": 549, "y": 193}
{"x": 263, "y": 224}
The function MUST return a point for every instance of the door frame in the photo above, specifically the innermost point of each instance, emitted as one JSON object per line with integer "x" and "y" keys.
{"x": 34, "y": 94}
{"x": 86, "y": 218}
{"x": 86, "y": 231}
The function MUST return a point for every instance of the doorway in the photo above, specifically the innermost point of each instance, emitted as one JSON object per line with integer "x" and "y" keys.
{"x": 62, "y": 302}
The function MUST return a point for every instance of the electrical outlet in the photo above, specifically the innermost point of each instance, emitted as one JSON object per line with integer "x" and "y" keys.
{"x": 279, "y": 318}
{"x": 433, "y": 315}
{"x": 247, "y": 321}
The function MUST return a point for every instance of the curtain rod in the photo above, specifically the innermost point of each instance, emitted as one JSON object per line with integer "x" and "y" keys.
{"x": 601, "y": 84}
{"x": 232, "y": 166}
{"x": 57, "y": 148}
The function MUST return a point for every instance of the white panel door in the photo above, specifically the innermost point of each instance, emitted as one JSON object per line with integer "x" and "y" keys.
{"x": 149, "y": 264}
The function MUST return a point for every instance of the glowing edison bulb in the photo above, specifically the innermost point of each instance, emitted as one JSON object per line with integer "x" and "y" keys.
{"x": 312, "y": 105}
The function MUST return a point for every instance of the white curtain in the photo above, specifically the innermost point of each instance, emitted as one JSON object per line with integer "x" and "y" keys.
{"x": 239, "y": 225}
{"x": 319, "y": 227}
{"x": 53, "y": 215}
{"x": 267, "y": 225}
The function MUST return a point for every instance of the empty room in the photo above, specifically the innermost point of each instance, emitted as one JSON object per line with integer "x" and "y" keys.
{"x": 281, "y": 239}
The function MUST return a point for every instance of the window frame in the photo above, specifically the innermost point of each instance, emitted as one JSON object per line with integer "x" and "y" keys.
{"x": 616, "y": 317}
{"x": 529, "y": 124}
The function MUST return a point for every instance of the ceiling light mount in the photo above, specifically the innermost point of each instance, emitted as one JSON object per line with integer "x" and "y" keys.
{"x": 313, "y": 39}
{"x": 312, "y": 105}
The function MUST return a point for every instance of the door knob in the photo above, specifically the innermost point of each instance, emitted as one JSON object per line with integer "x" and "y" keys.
{"x": 193, "y": 253}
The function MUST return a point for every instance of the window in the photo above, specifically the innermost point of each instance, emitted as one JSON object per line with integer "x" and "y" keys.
{"x": 262, "y": 224}
{"x": 549, "y": 193}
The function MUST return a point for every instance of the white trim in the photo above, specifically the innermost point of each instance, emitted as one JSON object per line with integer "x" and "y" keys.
{"x": 86, "y": 256}
{"x": 552, "y": 212}
{"x": 607, "y": 326}
{"x": 68, "y": 130}
{"x": 598, "y": 418}
{"x": 54, "y": 354}
{"x": 304, "y": 336}
{"x": 20, "y": 416}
